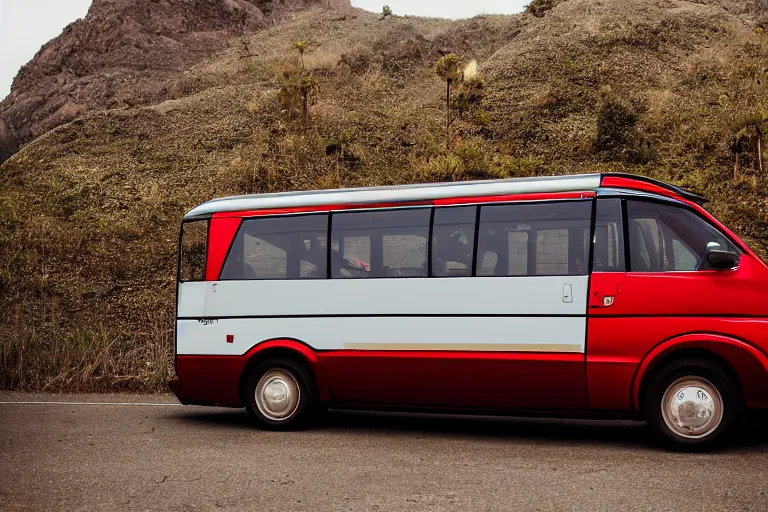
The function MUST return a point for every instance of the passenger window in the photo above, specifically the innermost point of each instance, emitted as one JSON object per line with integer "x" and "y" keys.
{"x": 551, "y": 251}
{"x": 356, "y": 255}
{"x": 194, "y": 238}
{"x": 534, "y": 239}
{"x": 665, "y": 238}
{"x": 518, "y": 253}
{"x": 292, "y": 247}
{"x": 386, "y": 243}
{"x": 609, "y": 237}
{"x": 453, "y": 240}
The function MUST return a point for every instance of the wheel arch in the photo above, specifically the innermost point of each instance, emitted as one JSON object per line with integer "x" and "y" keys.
{"x": 744, "y": 363}
{"x": 286, "y": 348}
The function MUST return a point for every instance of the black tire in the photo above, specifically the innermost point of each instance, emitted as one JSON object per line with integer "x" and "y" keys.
{"x": 671, "y": 374}
{"x": 307, "y": 395}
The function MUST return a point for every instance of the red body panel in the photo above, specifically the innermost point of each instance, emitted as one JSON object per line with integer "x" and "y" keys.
{"x": 724, "y": 312}
{"x": 216, "y": 379}
{"x": 742, "y": 292}
{"x": 222, "y": 232}
{"x": 627, "y": 182}
{"x": 620, "y": 350}
{"x": 458, "y": 379}
{"x": 518, "y": 197}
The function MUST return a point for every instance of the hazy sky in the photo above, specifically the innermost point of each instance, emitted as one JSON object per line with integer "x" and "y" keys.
{"x": 444, "y": 8}
{"x": 26, "y": 25}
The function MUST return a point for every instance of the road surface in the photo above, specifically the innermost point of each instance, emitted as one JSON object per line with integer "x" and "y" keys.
{"x": 171, "y": 457}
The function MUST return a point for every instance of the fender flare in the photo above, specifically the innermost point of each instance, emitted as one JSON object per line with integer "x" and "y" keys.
{"x": 300, "y": 349}
{"x": 711, "y": 342}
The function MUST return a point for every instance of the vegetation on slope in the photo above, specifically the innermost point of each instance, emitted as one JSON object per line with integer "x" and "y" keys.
{"x": 89, "y": 212}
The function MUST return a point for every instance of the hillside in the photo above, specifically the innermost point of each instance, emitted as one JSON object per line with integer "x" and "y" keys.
{"x": 89, "y": 210}
{"x": 128, "y": 53}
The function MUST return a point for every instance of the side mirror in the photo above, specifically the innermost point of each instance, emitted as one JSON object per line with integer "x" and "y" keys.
{"x": 715, "y": 258}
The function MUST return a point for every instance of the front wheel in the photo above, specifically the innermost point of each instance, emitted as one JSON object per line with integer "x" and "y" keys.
{"x": 691, "y": 405}
{"x": 280, "y": 395}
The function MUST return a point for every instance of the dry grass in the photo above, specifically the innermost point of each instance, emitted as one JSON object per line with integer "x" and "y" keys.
{"x": 46, "y": 351}
{"x": 89, "y": 212}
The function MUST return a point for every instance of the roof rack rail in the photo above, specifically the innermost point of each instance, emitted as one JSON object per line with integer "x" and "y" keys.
{"x": 691, "y": 196}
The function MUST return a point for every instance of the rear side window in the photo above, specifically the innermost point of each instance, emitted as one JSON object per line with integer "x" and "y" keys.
{"x": 666, "y": 238}
{"x": 194, "y": 239}
{"x": 532, "y": 239}
{"x": 383, "y": 244}
{"x": 609, "y": 237}
{"x": 292, "y": 247}
{"x": 453, "y": 241}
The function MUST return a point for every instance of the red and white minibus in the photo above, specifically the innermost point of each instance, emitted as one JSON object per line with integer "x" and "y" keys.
{"x": 601, "y": 295}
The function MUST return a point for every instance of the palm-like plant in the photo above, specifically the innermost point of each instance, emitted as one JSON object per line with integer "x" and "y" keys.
{"x": 301, "y": 46}
{"x": 451, "y": 69}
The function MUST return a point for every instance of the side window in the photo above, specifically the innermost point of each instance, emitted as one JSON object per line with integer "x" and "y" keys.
{"x": 292, "y": 247}
{"x": 194, "y": 238}
{"x": 609, "y": 237}
{"x": 666, "y": 238}
{"x": 453, "y": 241}
{"x": 385, "y": 243}
{"x": 531, "y": 239}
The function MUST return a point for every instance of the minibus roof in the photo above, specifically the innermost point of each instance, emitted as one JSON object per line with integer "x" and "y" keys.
{"x": 436, "y": 191}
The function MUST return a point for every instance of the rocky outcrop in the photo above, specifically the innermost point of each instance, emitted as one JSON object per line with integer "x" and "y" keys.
{"x": 126, "y": 53}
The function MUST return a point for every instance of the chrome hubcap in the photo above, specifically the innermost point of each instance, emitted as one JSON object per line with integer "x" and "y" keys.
{"x": 692, "y": 407}
{"x": 277, "y": 395}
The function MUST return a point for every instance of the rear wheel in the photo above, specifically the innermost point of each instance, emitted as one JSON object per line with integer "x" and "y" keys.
{"x": 691, "y": 405}
{"x": 280, "y": 395}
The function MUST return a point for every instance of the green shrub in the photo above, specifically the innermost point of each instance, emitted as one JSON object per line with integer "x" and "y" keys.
{"x": 616, "y": 121}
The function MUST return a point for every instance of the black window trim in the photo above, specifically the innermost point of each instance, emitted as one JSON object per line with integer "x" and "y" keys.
{"x": 430, "y": 241}
{"x": 625, "y": 228}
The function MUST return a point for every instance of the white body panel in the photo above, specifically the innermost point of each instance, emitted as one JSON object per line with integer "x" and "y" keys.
{"x": 488, "y": 334}
{"x": 541, "y": 314}
{"x": 406, "y": 296}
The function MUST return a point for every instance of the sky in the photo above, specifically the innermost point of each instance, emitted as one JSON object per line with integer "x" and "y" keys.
{"x": 444, "y": 8}
{"x": 26, "y": 25}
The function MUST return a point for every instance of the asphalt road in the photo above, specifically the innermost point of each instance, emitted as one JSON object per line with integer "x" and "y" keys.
{"x": 170, "y": 457}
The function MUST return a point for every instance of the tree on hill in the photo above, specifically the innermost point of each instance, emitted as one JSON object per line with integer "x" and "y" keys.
{"x": 296, "y": 88}
{"x": 465, "y": 91}
{"x": 386, "y": 11}
{"x": 451, "y": 69}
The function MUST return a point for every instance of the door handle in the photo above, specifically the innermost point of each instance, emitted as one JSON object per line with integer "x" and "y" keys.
{"x": 567, "y": 293}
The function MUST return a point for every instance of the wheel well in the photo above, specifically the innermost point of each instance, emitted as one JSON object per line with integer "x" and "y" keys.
{"x": 273, "y": 353}
{"x": 688, "y": 353}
